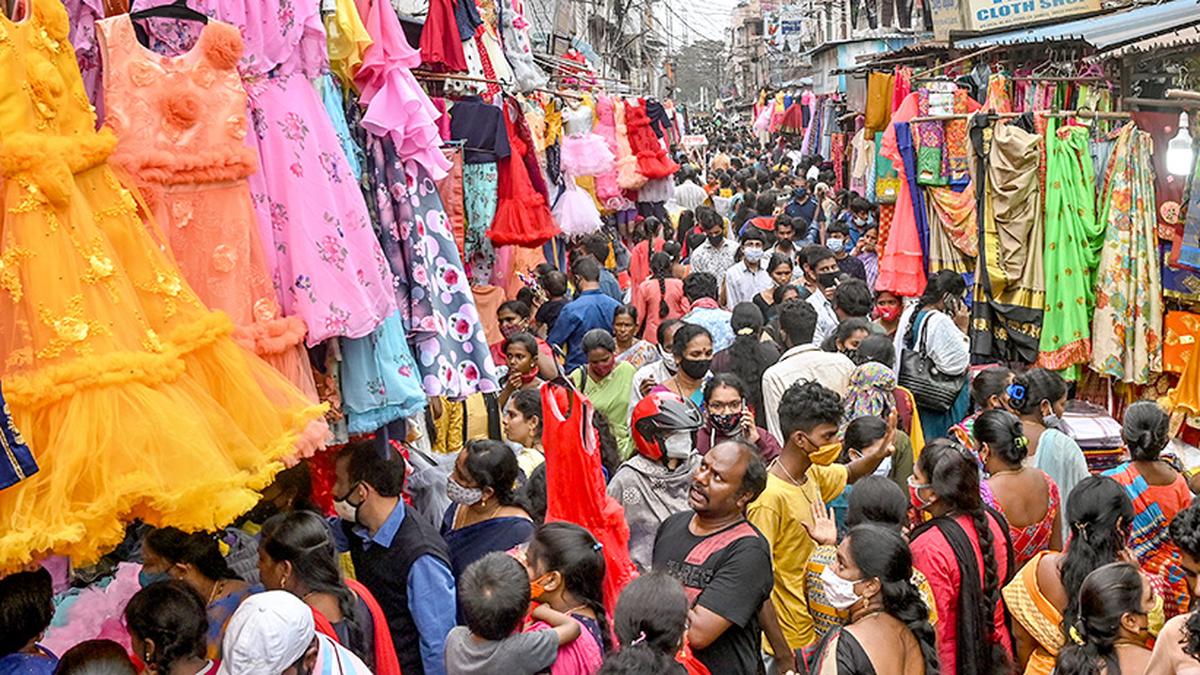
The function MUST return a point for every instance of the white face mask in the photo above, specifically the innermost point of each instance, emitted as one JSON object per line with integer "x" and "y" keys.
{"x": 838, "y": 591}
{"x": 668, "y": 359}
{"x": 460, "y": 494}
{"x": 679, "y": 445}
{"x": 752, "y": 255}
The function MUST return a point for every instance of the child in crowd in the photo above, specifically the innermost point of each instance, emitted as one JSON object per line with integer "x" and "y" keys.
{"x": 494, "y": 594}
{"x": 26, "y": 607}
{"x": 650, "y": 623}
{"x": 566, "y": 573}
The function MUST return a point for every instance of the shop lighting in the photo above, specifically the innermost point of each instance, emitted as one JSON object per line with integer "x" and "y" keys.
{"x": 1180, "y": 154}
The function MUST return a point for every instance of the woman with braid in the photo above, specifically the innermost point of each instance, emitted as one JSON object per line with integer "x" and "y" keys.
{"x": 888, "y": 629}
{"x": 966, "y": 555}
{"x": 168, "y": 628}
{"x": 659, "y": 297}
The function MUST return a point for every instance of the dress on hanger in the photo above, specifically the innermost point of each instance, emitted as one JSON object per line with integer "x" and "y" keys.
{"x": 629, "y": 175}
{"x": 441, "y": 48}
{"x": 522, "y": 215}
{"x": 514, "y": 30}
{"x": 190, "y": 162}
{"x": 111, "y": 365}
{"x": 583, "y": 153}
{"x": 608, "y": 191}
{"x": 652, "y": 158}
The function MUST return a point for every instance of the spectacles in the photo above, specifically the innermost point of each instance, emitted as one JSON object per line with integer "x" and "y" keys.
{"x": 918, "y": 486}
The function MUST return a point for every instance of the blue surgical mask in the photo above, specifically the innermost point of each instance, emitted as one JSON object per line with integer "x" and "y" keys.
{"x": 835, "y": 245}
{"x": 147, "y": 578}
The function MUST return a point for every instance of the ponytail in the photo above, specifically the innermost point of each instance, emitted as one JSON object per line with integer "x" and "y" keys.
{"x": 660, "y": 269}
{"x": 1107, "y": 594}
{"x": 572, "y": 551}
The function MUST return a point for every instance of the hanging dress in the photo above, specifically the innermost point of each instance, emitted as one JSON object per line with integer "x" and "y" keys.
{"x": 518, "y": 49}
{"x": 652, "y": 159}
{"x": 608, "y": 191}
{"x": 901, "y": 265}
{"x": 441, "y": 48}
{"x": 522, "y": 215}
{"x": 111, "y": 365}
{"x": 17, "y": 463}
{"x": 629, "y": 176}
{"x": 583, "y": 152}
{"x": 183, "y": 142}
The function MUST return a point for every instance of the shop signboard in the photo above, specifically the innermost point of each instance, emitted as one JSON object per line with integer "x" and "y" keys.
{"x": 986, "y": 15}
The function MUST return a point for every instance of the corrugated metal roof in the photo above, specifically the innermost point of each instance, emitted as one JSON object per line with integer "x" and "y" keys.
{"x": 1102, "y": 32}
{"x": 1184, "y": 37}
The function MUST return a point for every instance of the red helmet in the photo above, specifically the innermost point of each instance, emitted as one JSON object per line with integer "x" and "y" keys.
{"x": 657, "y": 416}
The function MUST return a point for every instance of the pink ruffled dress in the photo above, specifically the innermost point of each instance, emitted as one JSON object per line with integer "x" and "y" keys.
{"x": 628, "y": 176}
{"x": 583, "y": 152}
{"x": 607, "y": 190}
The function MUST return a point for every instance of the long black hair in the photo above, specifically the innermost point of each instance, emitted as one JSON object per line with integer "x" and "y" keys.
{"x": 953, "y": 475}
{"x": 941, "y": 284}
{"x": 302, "y": 538}
{"x": 1107, "y": 594}
{"x": 1185, "y": 532}
{"x": 661, "y": 266}
{"x": 1004, "y": 435}
{"x": 572, "y": 551}
{"x": 649, "y": 621}
{"x": 198, "y": 549}
{"x": 1146, "y": 430}
{"x": 746, "y": 357}
{"x": 881, "y": 553}
{"x": 1100, "y": 518}
{"x": 172, "y": 615}
{"x": 1032, "y": 387}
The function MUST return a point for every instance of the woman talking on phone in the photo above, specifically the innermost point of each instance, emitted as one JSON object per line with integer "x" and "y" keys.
{"x": 727, "y": 416}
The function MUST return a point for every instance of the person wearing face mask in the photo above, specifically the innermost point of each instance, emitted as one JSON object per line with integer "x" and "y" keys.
{"x": 837, "y": 240}
{"x": 727, "y": 415}
{"x": 649, "y": 376}
{"x": 701, "y": 291}
{"x": 804, "y": 474}
{"x": 748, "y": 278}
{"x": 274, "y": 633}
{"x": 1111, "y": 632}
{"x": 514, "y": 317}
{"x": 937, "y": 329}
{"x": 606, "y": 383}
{"x": 659, "y": 298}
{"x": 398, "y": 556}
{"x": 1039, "y": 397}
{"x": 965, "y": 553}
{"x": 485, "y": 513}
{"x": 888, "y": 309}
{"x": 806, "y": 214}
{"x": 821, "y": 275}
{"x": 654, "y": 483}
{"x": 716, "y": 254}
{"x": 780, "y": 269}
{"x": 865, "y": 251}
{"x": 888, "y": 629}
{"x": 693, "y": 349}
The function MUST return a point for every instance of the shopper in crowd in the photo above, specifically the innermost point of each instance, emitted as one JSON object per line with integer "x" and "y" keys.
{"x": 749, "y": 356}
{"x": 554, "y": 285}
{"x": 872, "y": 390}
{"x": 1177, "y": 649}
{"x": 1111, "y": 631}
{"x": 748, "y": 277}
{"x": 514, "y": 316}
{"x": 989, "y": 391}
{"x": 727, "y": 415}
{"x": 837, "y": 240}
{"x": 170, "y": 553}
{"x": 888, "y": 309}
{"x": 297, "y": 554}
{"x": 701, "y": 291}
{"x": 963, "y": 552}
{"x": 1043, "y": 597}
{"x": 803, "y": 360}
{"x": 779, "y": 269}
{"x": 274, "y": 633}
{"x": 653, "y": 484}
{"x": 658, "y": 298}
{"x": 523, "y": 429}
{"x": 821, "y": 275}
{"x": 606, "y": 382}
{"x": 721, "y": 559}
{"x": 168, "y": 629}
{"x": 693, "y": 350}
{"x": 888, "y": 620}
{"x": 1158, "y": 492}
{"x": 486, "y": 513}
{"x": 648, "y": 376}
{"x": 688, "y": 193}
{"x": 596, "y": 246}
{"x": 630, "y": 348}
{"x": 806, "y": 214}
{"x": 95, "y": 657}
{"x": 650, "y": 623}
{"x": 1027, "y": 497}
{"x": 939, "y": 332}
{"x": 650, "y": 241}
{"x": 847, "y": 337}
{"x": 566, "y": 573}
{"x": 852, "y": 300}
{"x": 1039, "y": 397}
{"x": 26, "y": 608}
{"x": 865, "y": 251}
{"x": 716, "y": 254}
{"x": 400, "y": 559}
{"x": 589, "y": 310}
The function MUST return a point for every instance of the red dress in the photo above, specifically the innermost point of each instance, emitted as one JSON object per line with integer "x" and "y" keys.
{"x": 793, "y": 119}
{"x": 652, "y": 159}
{"x": 441, "y": 50}
{"x": 522, "y": 214}
{"x": 575, "y": 490}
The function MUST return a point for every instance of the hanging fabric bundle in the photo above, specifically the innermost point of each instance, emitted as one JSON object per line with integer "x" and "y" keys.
{"x": 1127, "y": 326}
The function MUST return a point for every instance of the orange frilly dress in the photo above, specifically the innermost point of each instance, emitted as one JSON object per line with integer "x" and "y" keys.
{"x": 131, "y": 393}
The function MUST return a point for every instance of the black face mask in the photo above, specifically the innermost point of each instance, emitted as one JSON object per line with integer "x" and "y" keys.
{"x": 828, "y": 279}
{"x": 695, "y": 369}
{"x": 715, "y": 239}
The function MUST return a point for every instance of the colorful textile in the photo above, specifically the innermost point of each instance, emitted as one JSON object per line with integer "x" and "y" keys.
{"x": 998, "y": 98}
{"x": 930, "y": 141}
{"x": 1009, "y": 292}
{"x": 480, "y": 196}
{"x": 610, "y": 396}
{"x": 958, "y": 146}
{"x": 904, "y": 143}
{"x": 380, "y": 380}
{"x": 17, "y": 462}
{"x": 1189, "y": 245}
{"x": 1035, "y": 538}
{"x": 869, "y": 393}
{"x": 1072, "y": 246}
{"x": 1037, "y": 615}
{"x": 1127, "y": 325}
{"x": 953, "y": 233}
{"x": 1180, "y": 330}
{"x": 1154, "y": 507}
{"x": 879, "y": 101}
{"x": 837, "y": 155}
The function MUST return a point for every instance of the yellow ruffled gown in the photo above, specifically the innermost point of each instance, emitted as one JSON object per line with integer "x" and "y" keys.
{"x": 130, "y": 392}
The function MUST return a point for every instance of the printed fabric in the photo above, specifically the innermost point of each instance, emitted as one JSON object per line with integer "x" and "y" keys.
{"x": 1127, "y": 325}
{"x": 1032, "y": 539}
{"x": 1072, "y": 246}
{"x": 101, "y": 326}
{"x": 1037, "y": 615}
{"x": 18, "y": 462}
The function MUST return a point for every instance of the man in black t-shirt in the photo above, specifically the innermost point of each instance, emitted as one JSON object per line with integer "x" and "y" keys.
{"x": 723, "y": 562}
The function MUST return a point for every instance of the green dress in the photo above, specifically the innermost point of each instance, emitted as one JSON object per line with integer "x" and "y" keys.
{"x": 610, "y": 397}
{"x": 1072, "y": 250}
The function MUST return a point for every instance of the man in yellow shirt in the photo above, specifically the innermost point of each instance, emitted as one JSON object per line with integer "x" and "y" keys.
{"x": 803, "y": 478}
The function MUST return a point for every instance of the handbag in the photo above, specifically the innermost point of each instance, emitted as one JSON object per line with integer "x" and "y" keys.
{"x": 931, "y": 388}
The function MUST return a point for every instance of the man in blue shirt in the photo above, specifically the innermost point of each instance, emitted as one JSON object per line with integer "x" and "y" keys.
{"x": 597, "y": 246}
{"x": 590, "y": 309}
{"x": 806, "y": 214}
{"x": 402, "y": 560}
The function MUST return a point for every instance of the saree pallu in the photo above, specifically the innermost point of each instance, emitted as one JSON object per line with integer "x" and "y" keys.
{"x": 906, "y": 146}
{"x": 17, "y": 462}
{"x": 953, "y": 233}
{"x": 1127, "y": 326}
{"x": 837, "y": 155}
{"x": 1072, "y": 247}
{"x": 1037, "y": 615}
{"x": 1010, "y": 292}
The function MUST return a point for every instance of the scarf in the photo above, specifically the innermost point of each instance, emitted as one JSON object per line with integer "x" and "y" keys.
{"x": 869, "y": 393}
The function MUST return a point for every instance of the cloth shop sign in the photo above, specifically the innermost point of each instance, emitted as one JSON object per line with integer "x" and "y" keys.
{"x": 985, "y": 15}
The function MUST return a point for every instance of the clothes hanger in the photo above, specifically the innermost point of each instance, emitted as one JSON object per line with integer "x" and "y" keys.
{"x": 175, "y": 10}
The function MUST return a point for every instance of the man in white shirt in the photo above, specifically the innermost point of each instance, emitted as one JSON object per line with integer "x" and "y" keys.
{"x": 715, "y": 255}
{"x": 803, "y": 360}
{"x": 821, "y": 274}
{"x": 689, "y": 194}
{"x": 749, "y": 277}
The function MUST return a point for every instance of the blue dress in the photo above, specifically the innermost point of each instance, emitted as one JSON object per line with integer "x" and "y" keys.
{"x": 16, "y": 461}
{"x": 42, "y": 663}
{"x": 379, "y": 378}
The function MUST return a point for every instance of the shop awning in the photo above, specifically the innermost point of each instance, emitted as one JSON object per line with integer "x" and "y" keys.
{"x": 1102, "y": 32}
